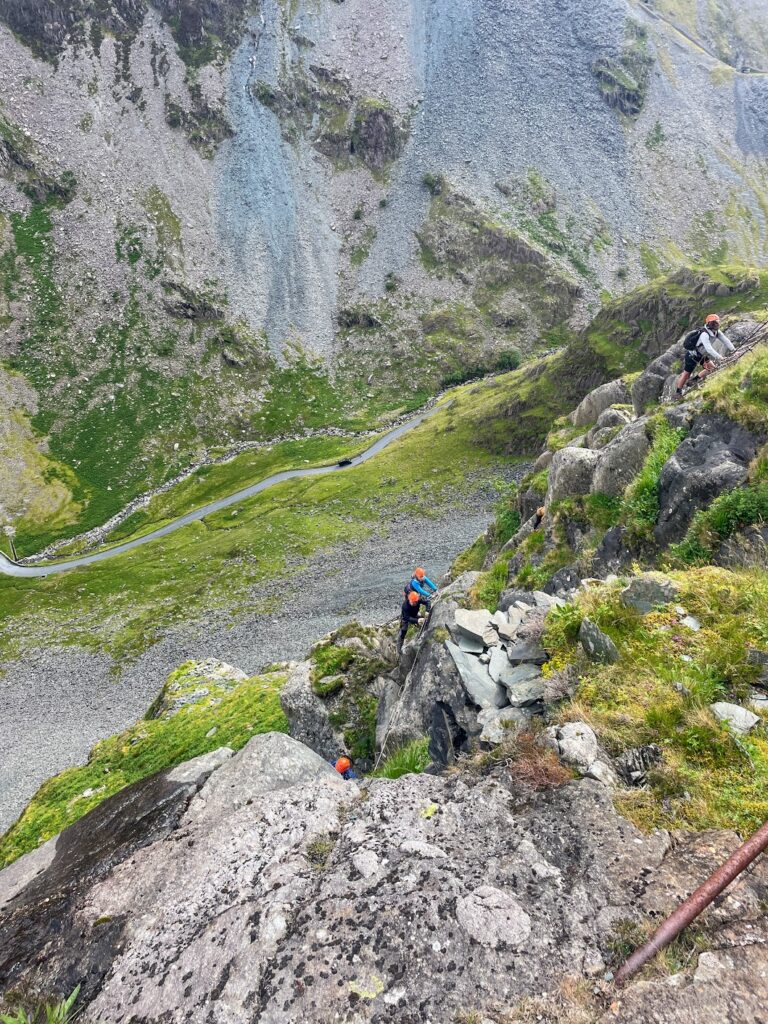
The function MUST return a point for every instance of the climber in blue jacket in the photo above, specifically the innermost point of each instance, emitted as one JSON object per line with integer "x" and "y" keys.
{"x": 422, "y": 584}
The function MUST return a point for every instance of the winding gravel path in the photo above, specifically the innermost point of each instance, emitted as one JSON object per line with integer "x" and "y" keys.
{"x": 58, "y": 703}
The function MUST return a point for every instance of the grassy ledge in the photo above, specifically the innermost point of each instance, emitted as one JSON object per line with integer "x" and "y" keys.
{"x": 659, "y": 692}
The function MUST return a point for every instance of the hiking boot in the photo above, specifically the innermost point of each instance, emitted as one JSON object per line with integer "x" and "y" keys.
{"x": 678, "y": 392}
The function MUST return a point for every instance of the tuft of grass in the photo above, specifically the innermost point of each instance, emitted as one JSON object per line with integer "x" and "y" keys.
{"x": 629, "y": 935}
{"x": 487, "y": 591}
{"x": 535, "y": 766}
{"x": 44, "y": 1012}
{"x": 225, "y": 719}
{"x": 714, "y": 524}
{"x": 319, "y": 851}
{"x": 411, "y": 759}
{"x": 640, "y": 507}
{"x": 741, "y": 391}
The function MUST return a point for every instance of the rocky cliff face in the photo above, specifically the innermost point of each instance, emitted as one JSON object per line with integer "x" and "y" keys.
{"x": 264, "y": 887}
{"x": 187, "y": 189}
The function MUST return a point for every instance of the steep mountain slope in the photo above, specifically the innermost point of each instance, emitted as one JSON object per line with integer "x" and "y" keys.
{"x": 254, "y": 880}
{"x": 197, "y": 202}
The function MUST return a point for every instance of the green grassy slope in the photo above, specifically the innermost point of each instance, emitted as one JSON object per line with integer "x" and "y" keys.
{"x": 225, "y": 718}
{"x": 220, "y": 561}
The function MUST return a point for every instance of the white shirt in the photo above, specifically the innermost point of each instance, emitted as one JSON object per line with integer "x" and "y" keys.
{"x": 706, "y": 344}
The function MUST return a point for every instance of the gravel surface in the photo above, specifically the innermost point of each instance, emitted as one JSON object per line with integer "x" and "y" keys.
{"x": 58, "y": 703}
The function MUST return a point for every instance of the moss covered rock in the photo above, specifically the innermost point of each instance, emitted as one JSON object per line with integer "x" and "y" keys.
{"x": 193, "y": 683}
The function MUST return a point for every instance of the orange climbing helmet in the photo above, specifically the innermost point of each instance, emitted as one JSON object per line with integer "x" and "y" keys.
{"x": 713, "y": 320}
{"x": 343, "y": 765}
{"x": 413, "y": 597}
{"x": 419, "y": 573}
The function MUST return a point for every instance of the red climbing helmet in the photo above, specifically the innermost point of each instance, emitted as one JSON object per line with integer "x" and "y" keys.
{"x": 413, "y": 597}
{"x": 343, "y": 765}
{"x": 713, "y": 320}
{"x": 419, "y": 573}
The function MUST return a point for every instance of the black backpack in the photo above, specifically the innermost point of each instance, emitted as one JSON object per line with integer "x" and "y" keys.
{"x": 691, "y": 340}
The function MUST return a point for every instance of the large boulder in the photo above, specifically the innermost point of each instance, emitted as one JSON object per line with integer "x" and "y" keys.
{"x": 308, "y": 714}
{"x": 571, "y": 473}
{"x": 221, "y": 898}
{"x": 434, "y": 702}
{"x": 614, "y": 392}
{"x": 648, "y": 387}
{"x": 449, "y": 891}
{"x": 621, "y": 460}
{"x": 714, "y": 458}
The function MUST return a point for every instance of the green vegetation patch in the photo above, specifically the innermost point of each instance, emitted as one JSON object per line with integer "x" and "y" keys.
{"x": 740, "y": 392}
{"x": 226, "y": 718}
{"x": 660, "y": 690}
{"x": 342, "y": 674}
{"x": 34, "y": 1010}
{"x": 726, "y": 515}
{"x": 640, "y": 508}
{"x": 410, "y": 759}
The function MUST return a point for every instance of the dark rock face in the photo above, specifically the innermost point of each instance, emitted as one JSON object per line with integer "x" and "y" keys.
{"x": 377, "y": 136}
{"x": 650, "y": 384}
{"x": 747, "y": 549}
{"x": 42, "y": 914}
{"x": 563, "y": 581}
{"x": 308, "y": 714}
{"x": 434, "y": 697}
{"x": 45, "y": 25}
{"x": 713, "y": 459}
{"x": 612, "y": 553}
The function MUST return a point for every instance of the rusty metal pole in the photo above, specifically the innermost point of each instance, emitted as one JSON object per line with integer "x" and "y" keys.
{"x": 693, "y": 906}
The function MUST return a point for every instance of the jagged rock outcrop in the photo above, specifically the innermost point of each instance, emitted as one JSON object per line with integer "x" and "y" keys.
{"x": 714, "y": 458}
{"x": 339, "y": 699}
{"x": 621, "y": 460}
{"x": 193, "y": 682}
{"x": 571, "y": 473}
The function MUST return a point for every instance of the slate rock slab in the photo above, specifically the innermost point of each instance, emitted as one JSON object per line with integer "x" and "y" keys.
{"x": 597, "y": 645}
{"x": 646, "y": 592}
{"x": 476, "y": 679}
{"x": 524, "y": 694}
{"x": 473, "y": 623}
{"x": 526, "y": 651}
{"x": 738, "y": 718}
